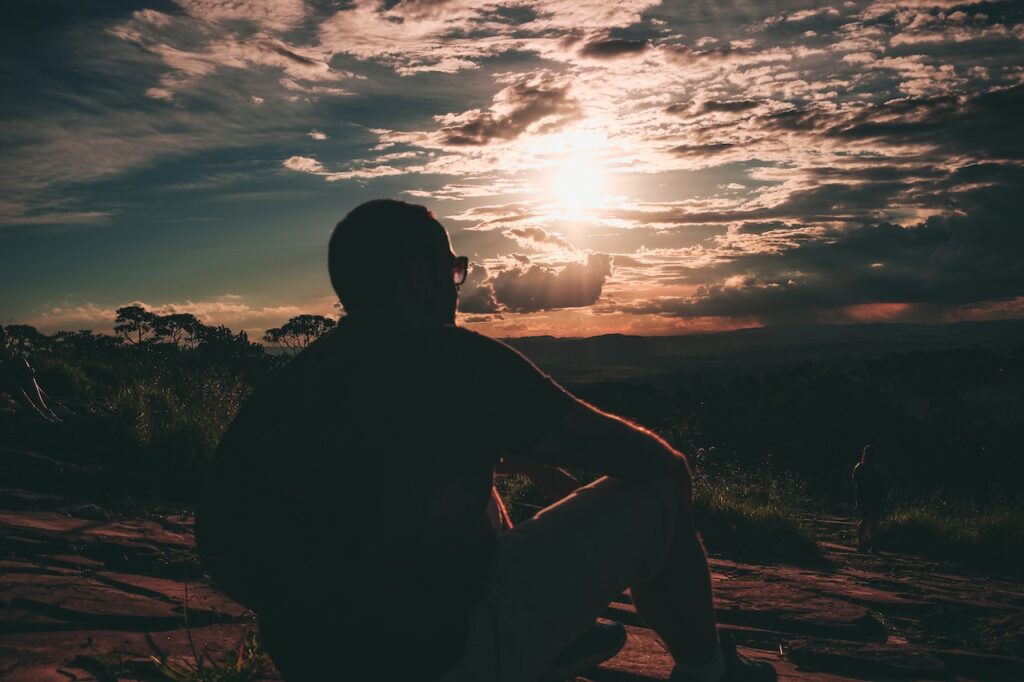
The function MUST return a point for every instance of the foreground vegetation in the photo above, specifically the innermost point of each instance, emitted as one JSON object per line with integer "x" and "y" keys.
{"x": 755, "y": 514}
{"x": 977, "y": 535}
{"x": 152, "y": 402}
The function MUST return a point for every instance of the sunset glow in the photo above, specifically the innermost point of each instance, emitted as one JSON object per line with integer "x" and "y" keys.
{"x": 623, "y": 166}
{"x": 578, "y": 187}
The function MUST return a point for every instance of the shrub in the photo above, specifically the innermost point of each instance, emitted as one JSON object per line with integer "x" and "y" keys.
{"x": 170, "y": 428}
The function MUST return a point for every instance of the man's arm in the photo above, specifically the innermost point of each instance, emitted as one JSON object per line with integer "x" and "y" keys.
{"x": 552, "y": 482}
{"x": 591, "y": 440}
{"x": 541, "y": 422}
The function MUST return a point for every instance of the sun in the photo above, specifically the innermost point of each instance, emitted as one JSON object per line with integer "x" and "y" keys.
{"x": 577, "y": 187}
{"x": 577, "y": 173}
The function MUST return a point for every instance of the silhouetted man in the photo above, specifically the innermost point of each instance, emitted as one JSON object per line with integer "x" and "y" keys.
{"x": 870, "y": 495}
{"x": 348, "y": 505}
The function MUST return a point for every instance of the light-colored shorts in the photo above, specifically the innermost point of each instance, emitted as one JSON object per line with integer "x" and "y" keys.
{"x": 556, "y": 573}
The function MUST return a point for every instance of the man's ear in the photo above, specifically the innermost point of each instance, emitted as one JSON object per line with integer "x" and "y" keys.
{"x": 420, "y": 279}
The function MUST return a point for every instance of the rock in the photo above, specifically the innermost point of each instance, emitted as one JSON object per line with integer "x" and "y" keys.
{"x": 871, "y": 661}
{"x": 983, "y": 666}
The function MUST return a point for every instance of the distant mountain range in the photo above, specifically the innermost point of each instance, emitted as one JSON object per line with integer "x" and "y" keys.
{"x": 616, "y": 357}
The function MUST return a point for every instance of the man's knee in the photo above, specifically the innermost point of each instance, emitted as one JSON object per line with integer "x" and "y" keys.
{"x": 682, "y": 489}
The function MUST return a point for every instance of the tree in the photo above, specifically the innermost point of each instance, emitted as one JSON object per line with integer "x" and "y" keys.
{"x": 25, "y": 337}
{"x": 300, "y": 331}
{"x": 180, "y": 329}
{"x": 135, "y": 324}
{"x": 221, "y": 343}
{"x": 84, "y": 341}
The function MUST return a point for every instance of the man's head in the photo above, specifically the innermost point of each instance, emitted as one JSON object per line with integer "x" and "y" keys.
{"x": 391, "y": 259}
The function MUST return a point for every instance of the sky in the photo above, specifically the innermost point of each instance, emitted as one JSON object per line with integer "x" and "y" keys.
{"x": 608, "y": 167}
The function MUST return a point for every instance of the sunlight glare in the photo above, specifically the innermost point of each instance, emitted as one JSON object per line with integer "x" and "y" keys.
{"x": 577, "y": 179}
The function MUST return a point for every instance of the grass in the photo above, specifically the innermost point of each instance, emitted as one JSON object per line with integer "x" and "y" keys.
{"x": 965, "y": 532}
{"x": 244, "y": 663}
{"x": 173, "y": 427}
{"x": 753, "y": 515}
{"x": 154, "y": 423}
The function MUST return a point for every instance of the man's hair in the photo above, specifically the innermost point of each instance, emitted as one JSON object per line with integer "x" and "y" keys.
{"x": 868, "y": 455}
{"x": 372, "y": 241}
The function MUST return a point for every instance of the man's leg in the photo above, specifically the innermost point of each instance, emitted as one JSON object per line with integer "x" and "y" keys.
{"x": 555, "y": 574}
{"x": 874, "y": 522}
{"x": 677, "y": 602}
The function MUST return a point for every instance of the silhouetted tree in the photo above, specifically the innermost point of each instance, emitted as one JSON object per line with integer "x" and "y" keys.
{"x": 85, "y": 342}
{"x": 25, "y": 337}
{"x": 135, "y": 324}
{"x": 300, "y": 331}
{"x": 180, "y": 329}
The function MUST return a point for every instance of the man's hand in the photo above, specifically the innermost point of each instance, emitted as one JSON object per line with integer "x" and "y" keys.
{"x": 591, "y": 440}
{"x": 552, "y": 482}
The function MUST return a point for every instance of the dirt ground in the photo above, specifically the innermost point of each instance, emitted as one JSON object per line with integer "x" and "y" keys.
{"x": 89, "y": 594}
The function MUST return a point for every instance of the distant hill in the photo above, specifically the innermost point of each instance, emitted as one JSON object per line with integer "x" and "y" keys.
{"x": 654, "y": 359}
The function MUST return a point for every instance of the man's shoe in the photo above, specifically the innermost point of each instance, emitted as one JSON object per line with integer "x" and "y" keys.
{"x": 737, "y": 668}
{"x": 595, "y": 646}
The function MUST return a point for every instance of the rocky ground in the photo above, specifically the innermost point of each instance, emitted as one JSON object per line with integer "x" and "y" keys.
{"x": 89, "y": 594}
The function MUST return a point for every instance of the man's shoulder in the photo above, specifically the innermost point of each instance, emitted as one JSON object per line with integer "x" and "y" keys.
{"x": 474, "y": 340}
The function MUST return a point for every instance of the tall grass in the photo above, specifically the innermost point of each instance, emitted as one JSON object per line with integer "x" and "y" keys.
{"x": 155, "y": 417}
{"x": 964, "y": 532}
{"x": 171, "y": 427}
{"x": 754, "y": 514}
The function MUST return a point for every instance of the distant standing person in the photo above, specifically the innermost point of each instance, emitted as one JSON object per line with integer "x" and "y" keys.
{"x": 869, "y": 493}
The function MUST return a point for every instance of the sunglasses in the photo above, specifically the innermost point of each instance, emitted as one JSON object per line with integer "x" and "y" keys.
{"x": 460, "y": 268}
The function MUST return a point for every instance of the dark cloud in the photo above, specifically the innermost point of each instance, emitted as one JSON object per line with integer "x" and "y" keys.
{"x": 762, "y": 227}
{"x": 709, "y": 149}
{"x": 279, "y": 48}
{"x": 983, "y": 126}
{"x": 536, "y": 287}
{"x": 609, "y": 48}
{"x": 534, "y": 99}
{"x": 713, "y": 106}
{"x": 968, "y": 257}
{"x": 478, "y": 319}
{"x": 728, "y": 106}
{"x": 476, "y": 296}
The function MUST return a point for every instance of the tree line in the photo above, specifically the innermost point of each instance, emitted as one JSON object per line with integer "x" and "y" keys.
{"x": 134, "y": 325}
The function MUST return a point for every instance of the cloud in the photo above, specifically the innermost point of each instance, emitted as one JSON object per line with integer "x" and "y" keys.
{"x": 496, "y": 216}
{"x": 476, "y": 295}
{"x": 228, "y": 309}
{"x": 486, "y": 187}
{"x": 701, "y": 150}
{"x": 533, "y": 287}
{"x": 538, "y": 101}
{"x": 303, "y": 164}
{"x": 538, "y": 238}
{"x": 206, "y": 41}
{"x": 277, "y": 15}
{"x": 610, "y": 48}
{"x": 730, "y": 106}
{"x": 745, "y": 155}
{"x": 318, "y": 135}
{"x": 459, "y": 35}
{"x": 933, "y": 268}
